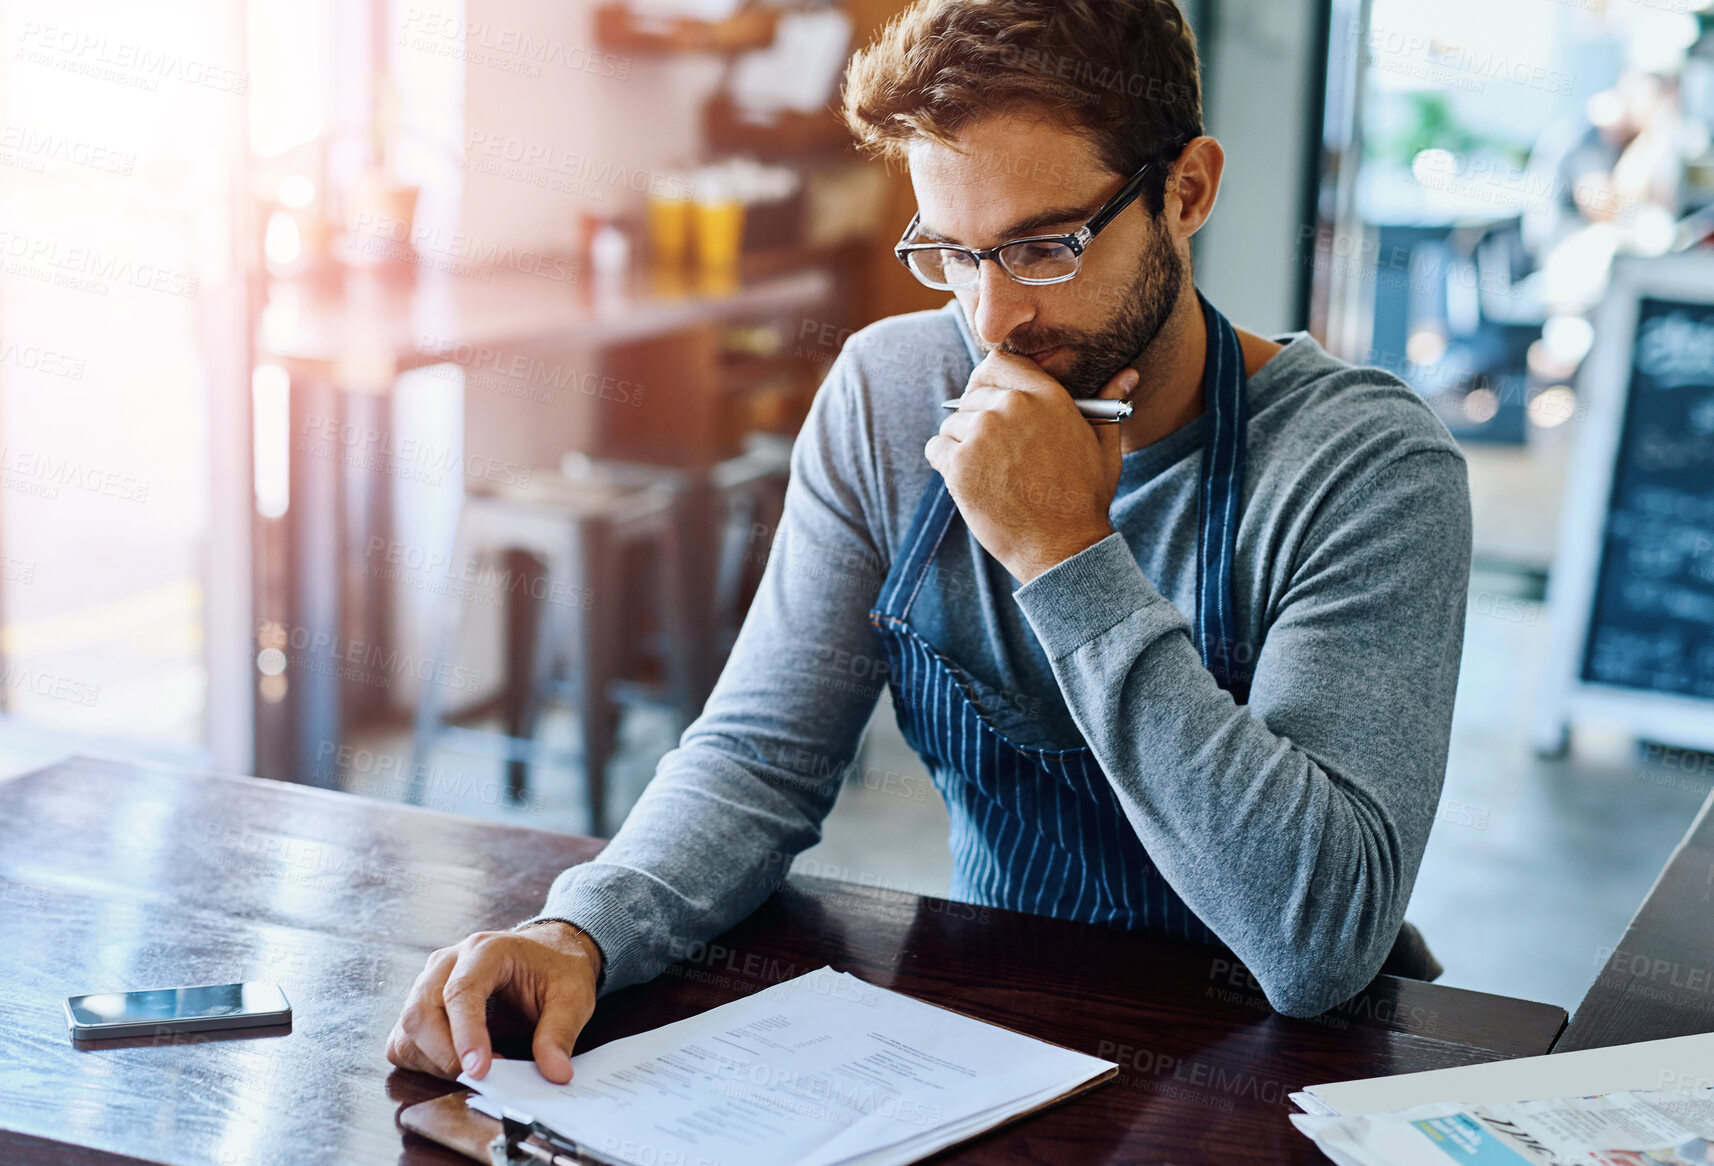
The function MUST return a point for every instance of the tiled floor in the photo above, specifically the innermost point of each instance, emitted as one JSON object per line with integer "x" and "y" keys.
{"x": 1534, "y": 867}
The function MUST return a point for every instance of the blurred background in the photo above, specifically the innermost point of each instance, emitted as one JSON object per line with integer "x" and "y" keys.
{"x": 396, "y": 396}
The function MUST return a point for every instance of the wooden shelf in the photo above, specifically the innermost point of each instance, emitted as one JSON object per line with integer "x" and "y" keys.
{"x": 790, "y": 135}
{"x": 741, "y": 372}
{"x": 775, "y": 261}
{"x": 622, "y": 30}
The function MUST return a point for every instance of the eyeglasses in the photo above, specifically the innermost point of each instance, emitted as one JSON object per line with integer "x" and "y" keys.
{"x": 1038, "y": 259}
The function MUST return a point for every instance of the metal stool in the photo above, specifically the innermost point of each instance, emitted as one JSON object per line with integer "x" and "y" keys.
{"x": 580, "y": 528}
{"x": 749, "y": 493}
{"x": 751, "y": 489}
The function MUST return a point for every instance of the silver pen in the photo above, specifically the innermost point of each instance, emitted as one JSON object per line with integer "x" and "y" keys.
{"x": 1099, "y": 410}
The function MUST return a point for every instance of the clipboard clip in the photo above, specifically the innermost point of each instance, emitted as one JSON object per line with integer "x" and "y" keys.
{"x": 524, "y": 1141}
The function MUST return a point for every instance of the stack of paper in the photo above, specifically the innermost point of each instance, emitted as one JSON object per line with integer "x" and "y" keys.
{"x": 1680, "y": 1062}
{"x": 1655, "y": 1127}
{"x": 822, "y": 1070}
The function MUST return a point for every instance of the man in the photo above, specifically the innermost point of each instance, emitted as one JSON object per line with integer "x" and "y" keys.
{"x": 1192, "y": 672}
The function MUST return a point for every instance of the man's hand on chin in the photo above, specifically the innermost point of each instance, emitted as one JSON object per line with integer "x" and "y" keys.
{"x": 1031, "y": 476}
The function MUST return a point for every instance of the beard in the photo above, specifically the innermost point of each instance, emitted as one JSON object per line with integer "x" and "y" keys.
{"x": 1143, "y": 310}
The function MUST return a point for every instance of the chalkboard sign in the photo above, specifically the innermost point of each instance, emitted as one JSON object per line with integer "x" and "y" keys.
{"x": 1652, "y": 625}
{"x": 1633, "y": 586}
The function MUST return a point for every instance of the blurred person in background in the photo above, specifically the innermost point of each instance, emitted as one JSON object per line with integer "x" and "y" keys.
{"x": 1192, "y": 673}
{"x": 1614, "y": 167}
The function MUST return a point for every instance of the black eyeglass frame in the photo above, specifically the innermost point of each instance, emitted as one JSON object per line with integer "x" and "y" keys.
{"x": 1077, "y": 240}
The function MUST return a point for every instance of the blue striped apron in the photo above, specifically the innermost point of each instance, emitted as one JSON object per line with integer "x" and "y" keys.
{"x": 1041, "y": 830}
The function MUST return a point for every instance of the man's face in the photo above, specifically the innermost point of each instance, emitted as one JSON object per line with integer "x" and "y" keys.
{"x": 1010, "y": 176}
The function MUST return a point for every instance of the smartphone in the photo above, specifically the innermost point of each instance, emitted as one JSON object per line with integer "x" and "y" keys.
{"x": 165, "y": 1010}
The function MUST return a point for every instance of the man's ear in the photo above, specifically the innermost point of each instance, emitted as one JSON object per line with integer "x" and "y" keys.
{"x": 1193, "y": 185}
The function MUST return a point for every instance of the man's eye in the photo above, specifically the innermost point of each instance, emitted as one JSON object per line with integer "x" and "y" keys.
{"x": 1040, "y": 252}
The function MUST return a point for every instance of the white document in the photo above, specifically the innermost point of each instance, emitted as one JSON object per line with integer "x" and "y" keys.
{"x": 1680, "y": 1062}
{"x": 822, "y": 1070}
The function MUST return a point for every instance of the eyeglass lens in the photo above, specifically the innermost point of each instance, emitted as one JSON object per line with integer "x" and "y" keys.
{"x": 1041, "y": 260}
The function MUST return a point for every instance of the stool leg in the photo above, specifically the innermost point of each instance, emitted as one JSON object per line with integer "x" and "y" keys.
{"x": 598, "y": 636}
{"x": 443, "y": 643}
{"x": 737, "y": 524}
{"x": 696, "y": 515}
{"x": 675, "y": 624}
{"x": 528, "y": 663}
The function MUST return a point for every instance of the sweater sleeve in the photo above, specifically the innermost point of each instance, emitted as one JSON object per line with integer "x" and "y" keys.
{"x": 1293, "y": 825}
{"x": 754, "y": 776}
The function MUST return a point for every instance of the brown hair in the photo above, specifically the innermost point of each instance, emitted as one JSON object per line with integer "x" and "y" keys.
{"x": 1121, "y": 72}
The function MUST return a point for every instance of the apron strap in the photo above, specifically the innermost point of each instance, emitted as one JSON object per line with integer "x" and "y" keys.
{"x": 1219, "y": 497}
{"x": 934, "y": 516}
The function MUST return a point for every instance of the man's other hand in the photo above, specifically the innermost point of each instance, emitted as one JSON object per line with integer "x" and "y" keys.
{"x": 547, "y": 971}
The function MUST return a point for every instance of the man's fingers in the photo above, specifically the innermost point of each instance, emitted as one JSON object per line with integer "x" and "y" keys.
{"x": 406, "y": 1053}
{"x": 1119, "y": 386}
{"x": 426, "y": 1041}
{"x": 563, "y": 1017}
{"x": 939, "y": 452}
{"x": 1002, "y": 382}
{"x": 481, "y": 968}
{"x": 983, "y": 396}
{"x": 1002, "y": 370}
{"x": 1122, "y": 384}
{"x": 443, "y": 1028}
{"x": 962, "y": 425}
{"x": 421, "y": 1037}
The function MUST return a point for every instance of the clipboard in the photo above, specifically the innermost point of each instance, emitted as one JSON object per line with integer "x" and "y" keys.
{"x": 519, "y": 1141}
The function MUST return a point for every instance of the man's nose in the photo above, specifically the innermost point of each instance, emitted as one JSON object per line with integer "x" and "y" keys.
{"x": 1002, "y": 304}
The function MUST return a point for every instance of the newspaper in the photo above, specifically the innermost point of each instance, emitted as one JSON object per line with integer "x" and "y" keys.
{"x": 1656, "y": 1127}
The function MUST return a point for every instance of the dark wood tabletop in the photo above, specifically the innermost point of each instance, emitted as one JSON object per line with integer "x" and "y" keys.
{"x": 1659, "y": 980}
{"x": 115, "y": 876}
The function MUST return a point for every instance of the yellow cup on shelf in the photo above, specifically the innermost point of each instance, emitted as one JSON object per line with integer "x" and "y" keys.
{"x": 719, "y": 236}
{"x": 669, "y": 231}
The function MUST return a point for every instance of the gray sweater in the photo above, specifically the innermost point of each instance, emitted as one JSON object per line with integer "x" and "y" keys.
{"x": 1293, "y": 825}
